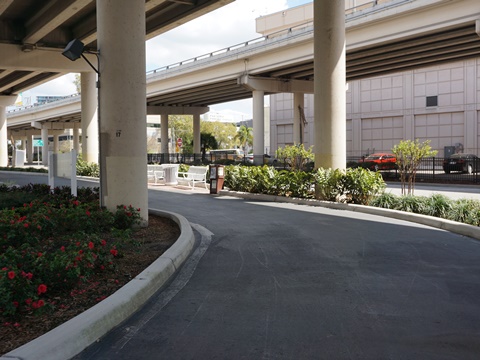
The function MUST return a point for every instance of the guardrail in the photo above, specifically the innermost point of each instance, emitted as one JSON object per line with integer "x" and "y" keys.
{"x": 66, "y": 99}
{"x": 350, "y": 13}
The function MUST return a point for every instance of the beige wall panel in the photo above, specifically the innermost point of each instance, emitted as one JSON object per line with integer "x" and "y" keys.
{"x": 381, "y": 134}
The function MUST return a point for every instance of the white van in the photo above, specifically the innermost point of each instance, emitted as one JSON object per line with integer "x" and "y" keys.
{"x": 230, "y": 154}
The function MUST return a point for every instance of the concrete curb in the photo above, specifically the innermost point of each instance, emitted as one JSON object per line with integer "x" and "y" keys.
{"x": 72, "y": 337}
{"x": 452, "y": 226}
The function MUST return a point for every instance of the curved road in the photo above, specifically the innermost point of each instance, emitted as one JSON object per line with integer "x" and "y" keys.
{"x": 284, "y": 281}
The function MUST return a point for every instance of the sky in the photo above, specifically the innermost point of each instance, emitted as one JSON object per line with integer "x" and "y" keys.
{"x": 232, "y": 24}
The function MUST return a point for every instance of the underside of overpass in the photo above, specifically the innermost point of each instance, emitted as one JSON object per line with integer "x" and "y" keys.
{"x": 419, "y": 47}
{"x": 30, "y": 30}
{"x": 423, "y": 49}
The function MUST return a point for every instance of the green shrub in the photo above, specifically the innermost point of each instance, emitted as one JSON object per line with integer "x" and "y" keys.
{"x": 51, "y": 243}
{"x": 87, "y": 169}
{"x": 24, "y": 169}
{"x": 385, "y": 201}
{"x": 294, "y": 184}
{"x": 438, "y": 205}
{"x": 360, "y": 186}
{"x": 465, "y": 211}
{"x": 329, "y": 185}
{"x": 296, "y": 157}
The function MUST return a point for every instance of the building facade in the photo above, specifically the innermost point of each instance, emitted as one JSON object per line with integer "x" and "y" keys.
{"x": 437, "y": 103}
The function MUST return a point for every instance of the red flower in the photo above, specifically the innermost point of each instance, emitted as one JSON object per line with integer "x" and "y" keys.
{"x": 11, "y": 275}
{"x": 87, "y": 212}
{"x": 15, "y": 303}
{"x": 62, "y": 249}
{"x": 40, "y": 303}
{"x": 80, "y": 252}
{"x": 16, "y": 324}
{"x": 90, "y": 245}
{"x": 42, "y": 288}
{"x": 114, "y": 252}
{"x": 28, "y": 301}
{"x": 103, "y": 242}
{"x": 25, "y": 225}
{"x": 40, "y": 254}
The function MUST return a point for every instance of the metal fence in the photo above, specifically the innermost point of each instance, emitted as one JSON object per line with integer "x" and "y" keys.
{"x": 430, "y": 169}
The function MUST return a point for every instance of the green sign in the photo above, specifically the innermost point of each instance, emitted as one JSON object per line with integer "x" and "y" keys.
{"x": 37, "y": 142}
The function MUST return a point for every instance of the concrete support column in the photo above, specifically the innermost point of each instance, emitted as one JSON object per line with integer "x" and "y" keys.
{"x": 197, "y": 142}
{"x": 89, "y": 117}
{"x": 258, "y": 126}
{"x": 4, "y": 102}
{"x": 471, "y": 112}
{"x": 29, "y": 148}
{"x": 56, "y": 144}
{"x": 122, "y": 107}
{"x": 76, "y": 140}
{"x": 298, "y": 101}
{"x": 329, "y": 84}
{"x": 45, "y": 147}
{"x": 164, "y": 138}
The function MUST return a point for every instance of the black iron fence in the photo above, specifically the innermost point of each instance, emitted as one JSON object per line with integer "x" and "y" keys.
{"x": 430, "y": 170}
{"x": 219, "y": 158}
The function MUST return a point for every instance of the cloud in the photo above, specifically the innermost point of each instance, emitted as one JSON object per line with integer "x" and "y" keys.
{"x": 227, "y": 26}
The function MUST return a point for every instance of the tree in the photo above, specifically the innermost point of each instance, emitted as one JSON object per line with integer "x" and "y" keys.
{"x": 245, "y": 137}
{"x": 78, "y": 84}
{"x": 181, "y": 126}
{"x": 295, "y": 156}
{"x": 224, "y": 133}
{"x": 208, "y": 141}
{"x": 409, "y": 154}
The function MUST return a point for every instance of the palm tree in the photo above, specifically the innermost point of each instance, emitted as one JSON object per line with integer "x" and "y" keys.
{"x": 245, "y": 137}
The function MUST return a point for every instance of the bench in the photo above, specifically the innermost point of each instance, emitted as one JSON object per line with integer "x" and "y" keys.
{"x": 194, "y": 175}
{"x": 155, "y": 173}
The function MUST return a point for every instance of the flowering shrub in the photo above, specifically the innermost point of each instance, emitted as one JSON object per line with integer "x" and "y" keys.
{"x": 50, "y": 244}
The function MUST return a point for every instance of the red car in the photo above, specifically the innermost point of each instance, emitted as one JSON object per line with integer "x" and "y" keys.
{"x": 380, "y": 161}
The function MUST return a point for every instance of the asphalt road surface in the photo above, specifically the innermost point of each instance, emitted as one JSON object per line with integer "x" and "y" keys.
{"x": 284, "y": 281}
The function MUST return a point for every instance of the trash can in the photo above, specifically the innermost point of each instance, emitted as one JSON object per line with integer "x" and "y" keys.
{"x": 217, "y": 175}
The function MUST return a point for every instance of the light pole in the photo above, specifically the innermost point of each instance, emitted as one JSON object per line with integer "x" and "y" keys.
{"x": 73, "y": 51}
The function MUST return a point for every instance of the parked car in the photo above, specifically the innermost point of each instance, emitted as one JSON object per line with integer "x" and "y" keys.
{"x": 380, "y": 161}
{"x": 267, "y": 159}
{"x": 465, "y": 163}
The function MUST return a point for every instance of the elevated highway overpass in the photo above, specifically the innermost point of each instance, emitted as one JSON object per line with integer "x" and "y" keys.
{"x": 380, "y": 39}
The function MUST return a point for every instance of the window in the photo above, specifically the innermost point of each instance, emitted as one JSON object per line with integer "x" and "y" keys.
{"x": 432, "y": 101}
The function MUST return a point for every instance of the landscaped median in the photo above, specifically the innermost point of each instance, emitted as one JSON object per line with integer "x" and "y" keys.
{"x": 70, "y": 338}
{"x": 445, "y": 224}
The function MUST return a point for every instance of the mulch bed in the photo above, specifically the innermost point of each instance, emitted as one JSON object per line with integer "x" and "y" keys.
{"x": 155, "y": 240}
